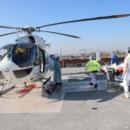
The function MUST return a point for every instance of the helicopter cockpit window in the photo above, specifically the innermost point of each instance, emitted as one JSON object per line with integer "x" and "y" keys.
{"x": 5, "y": 50}
{"x": 23, "y": 55}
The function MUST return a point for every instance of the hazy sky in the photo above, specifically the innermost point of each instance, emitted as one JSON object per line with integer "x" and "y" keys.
{"x": 97, "y": 35}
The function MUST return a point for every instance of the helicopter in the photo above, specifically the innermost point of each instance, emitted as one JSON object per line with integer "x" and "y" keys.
{"x": 27, "y": 60}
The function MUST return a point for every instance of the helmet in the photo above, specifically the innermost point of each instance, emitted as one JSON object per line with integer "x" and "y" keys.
{"x": 19, "y": 50}
{"x": 52, "y": 56}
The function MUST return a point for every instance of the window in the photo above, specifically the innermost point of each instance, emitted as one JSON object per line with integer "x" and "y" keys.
{"x": 24, "y": 54}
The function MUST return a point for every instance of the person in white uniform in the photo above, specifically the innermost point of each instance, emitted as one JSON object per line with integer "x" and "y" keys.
{"x": 126, "y": 74}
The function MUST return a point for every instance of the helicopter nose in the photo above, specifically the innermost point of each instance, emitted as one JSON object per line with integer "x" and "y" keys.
{"x": 6, "y": 70}
{"x": 1, "y": 75}
{"x": 4, "y": 66}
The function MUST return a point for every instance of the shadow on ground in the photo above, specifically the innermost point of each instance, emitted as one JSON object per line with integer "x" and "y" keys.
{"x": 85, "y": 78}
{"x": 101, "y": 96}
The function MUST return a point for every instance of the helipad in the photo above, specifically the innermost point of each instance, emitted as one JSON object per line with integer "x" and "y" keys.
{"x": 35, "y": 101}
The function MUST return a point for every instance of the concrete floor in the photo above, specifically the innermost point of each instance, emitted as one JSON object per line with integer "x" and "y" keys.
{"x": 31, "y": 102}
{"x": 76, "y": 107}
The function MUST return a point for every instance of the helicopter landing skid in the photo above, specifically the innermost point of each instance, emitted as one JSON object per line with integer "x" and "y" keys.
{"x": 5, "y": 88}
{"x": 47, "y": 86}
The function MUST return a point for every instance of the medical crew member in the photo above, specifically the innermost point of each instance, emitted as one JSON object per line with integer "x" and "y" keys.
{"x": 93, "y": 67}
{"x": 57, "y": 72}
{"x": 126, "y": 74}
{"x": 114, "y": 59}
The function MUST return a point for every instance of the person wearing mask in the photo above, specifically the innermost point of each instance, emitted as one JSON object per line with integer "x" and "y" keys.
{"x": 92, "y": 66}
{"x": 126, "y": 74}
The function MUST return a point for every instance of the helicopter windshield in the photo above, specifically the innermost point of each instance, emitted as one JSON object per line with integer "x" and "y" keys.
{"x": 24, "y": 54}
{"x": 5, "y": 50}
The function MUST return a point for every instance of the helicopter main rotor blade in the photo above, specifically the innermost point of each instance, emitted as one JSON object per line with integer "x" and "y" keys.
{"x": 87, "y": 19}
{"x": 63, "y": 34}
{"x": 5, "y": 34}
{"x": 9, "y": 27}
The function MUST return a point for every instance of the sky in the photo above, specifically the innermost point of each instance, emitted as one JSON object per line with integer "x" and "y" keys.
{"x": 105, "y": 35}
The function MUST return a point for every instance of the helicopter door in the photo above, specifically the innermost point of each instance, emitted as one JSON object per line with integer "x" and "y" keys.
{"x": 43, "y": 61}
{"x": 40, "y": 59}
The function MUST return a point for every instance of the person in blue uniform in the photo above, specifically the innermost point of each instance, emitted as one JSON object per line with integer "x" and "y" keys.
{"x": 114, "y": 59}
{"x": 57, "y": 72}
{"x": 56, "y": 67}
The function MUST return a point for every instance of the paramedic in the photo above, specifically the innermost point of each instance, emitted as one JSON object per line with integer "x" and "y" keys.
{"x": 93, "y": 67}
